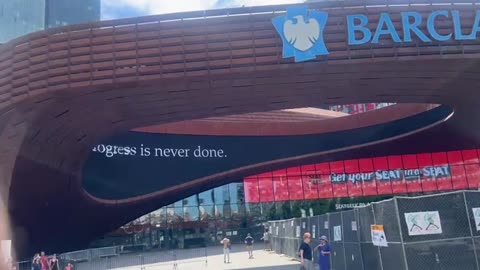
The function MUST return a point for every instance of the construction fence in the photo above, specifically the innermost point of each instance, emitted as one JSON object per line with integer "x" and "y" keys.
{"x": 414, "y": 233}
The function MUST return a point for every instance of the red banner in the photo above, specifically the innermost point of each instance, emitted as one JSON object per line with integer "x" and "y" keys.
{"x": 424, "y": 172}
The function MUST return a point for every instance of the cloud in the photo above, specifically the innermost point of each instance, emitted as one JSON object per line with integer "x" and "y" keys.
{"x": 112, "y": 9}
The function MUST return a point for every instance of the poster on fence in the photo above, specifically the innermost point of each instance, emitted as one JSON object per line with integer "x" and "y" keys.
{"x": 325, "y": 225}
{"x": 337, "y": 233}
{"x": 379, "y": 238}
{"x": 423, "y": 223}
{"x": 476, "y": 216}
{"x": 314, "y": 235}
{"x": 354, "y": 226}
{"x": 297, "y": 231}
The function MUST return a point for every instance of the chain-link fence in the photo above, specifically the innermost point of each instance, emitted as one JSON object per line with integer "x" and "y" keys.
{"x": 427, "y": 232}
{"x": 102, "y": 259}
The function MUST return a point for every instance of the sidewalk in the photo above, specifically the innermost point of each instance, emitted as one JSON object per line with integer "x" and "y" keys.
{"x": 262, "y": 260}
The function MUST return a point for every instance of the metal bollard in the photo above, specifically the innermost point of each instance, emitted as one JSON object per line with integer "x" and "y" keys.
{"x": 142, "y": 261}
{"x": 175, "y": 265}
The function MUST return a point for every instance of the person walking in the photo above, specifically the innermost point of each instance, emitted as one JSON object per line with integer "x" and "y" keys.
{"x": 226, "y": 249}
{"x": 323, "y": 253}
{"x": 306, "y": 252}
{"x": 249, "y": 243}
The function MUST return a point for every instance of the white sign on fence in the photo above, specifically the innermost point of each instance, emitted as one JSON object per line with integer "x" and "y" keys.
{"x": 314, "y": 232}
{"x": 423, "y": 223}
{"x": 476, "y": 216}
{"x": 325, "y": 225}
{"x": 297, "y": 231}
{"x": 354, "y": 226}
{"x": 378, "y": 236}
{"x": 337, "y": 233}
{"x": 304, "y": 225}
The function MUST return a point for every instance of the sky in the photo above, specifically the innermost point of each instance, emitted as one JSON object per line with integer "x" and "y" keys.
{"x": 115, "y": 9}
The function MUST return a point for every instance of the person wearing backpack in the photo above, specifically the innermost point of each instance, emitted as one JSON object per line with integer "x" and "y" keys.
{"x": 305, "y": 252}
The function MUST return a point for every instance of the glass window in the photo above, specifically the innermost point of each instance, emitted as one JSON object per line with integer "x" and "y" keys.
{"x": 206, "y": 212}
{"x": 323, "y": 179}
{"x": 295, "y": 187}
{"x": 280, "y": 188}
{"x": 470, "y": 156}
{"x": 459, "y": 180}
{"x": 190, "y": 201}
{"x": 455, "y": 157}
{"x": 253, "y": 211}
{"x": 283, "y": 210}
{"x": 340, "y": 187}
{"x": 425, "y": 163}
{"x": 218, "y": 210}
{"x": 268, "y": 210}
{"x": 440, "y": 159}
{"x": 190, "y": 214}
{"x": 399, "y": 186}
{"x": 369, "y": 185}
{"x": 412, "y": 173}
{"x": 174, "y": 214}
{"x": 354, "y": 181}
{"x": 251, "y": 190}
{"x": 294, "y": 171}
{"x": 310, "y": 189}
{"x": 236, "y": 193}
{"x": 473, "y": 175}
{"x": 159, "y": 217}
{"x": 206, "y": 197}
{"x": 366, "y": 165}
{"x": 265, "y": 187}
{"x": 221, "y": 195}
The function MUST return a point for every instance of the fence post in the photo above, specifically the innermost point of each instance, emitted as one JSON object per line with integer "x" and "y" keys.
{"x": 401, "y": 233}
{"x": 471, "y": 230}
{"x": 175, "y": 265}
{"x": 357, "y": 219}
{"x": 343, "y": 240}
{"x": 206, "y": 257}
{"x": 141, "y": 262}
{"x": 378, "y": 248}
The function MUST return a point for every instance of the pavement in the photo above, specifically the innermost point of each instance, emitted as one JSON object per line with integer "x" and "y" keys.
{"x": 196, "y": 259}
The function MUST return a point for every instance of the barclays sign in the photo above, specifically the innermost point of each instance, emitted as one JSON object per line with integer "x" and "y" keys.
{"x": 302, "y": 29}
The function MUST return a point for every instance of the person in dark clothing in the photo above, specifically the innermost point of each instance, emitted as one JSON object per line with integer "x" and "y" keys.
{"x": 36, "y": 262}
{"x": 54, "y": 263}
{"x": 249, "y": 243}
{"x": 306, "y": 252}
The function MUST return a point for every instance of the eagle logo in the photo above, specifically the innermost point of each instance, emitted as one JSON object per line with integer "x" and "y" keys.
{"x": 302, "y": 33}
